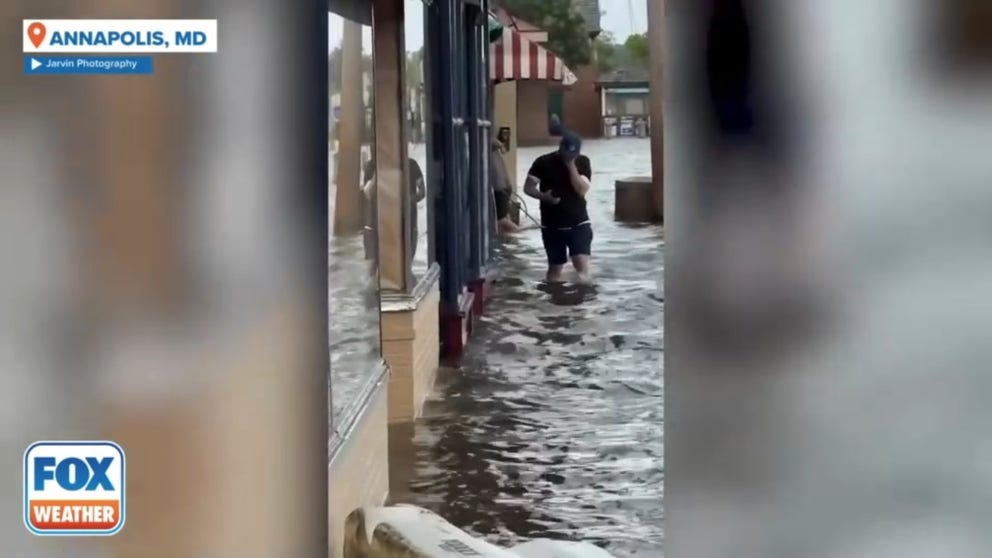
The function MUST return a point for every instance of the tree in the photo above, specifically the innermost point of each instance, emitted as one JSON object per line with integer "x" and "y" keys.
{"x": 638, "y": 48}
{"x": 414, "y": 65}
{"x": 608, "y": 54}
{"x": 611, "y": 56}
{"x": 567, "y": 36}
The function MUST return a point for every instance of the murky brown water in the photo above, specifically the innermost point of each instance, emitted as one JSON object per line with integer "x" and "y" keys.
{"x": 552, "y": 424}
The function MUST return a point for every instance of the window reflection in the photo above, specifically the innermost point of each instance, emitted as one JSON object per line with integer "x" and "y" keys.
{"x": 416, "y": 125}
{"x": 353, "y": 288}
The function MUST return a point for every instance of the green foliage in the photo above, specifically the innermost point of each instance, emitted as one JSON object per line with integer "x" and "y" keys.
{"x": 606, "y": 52}
{"x": 632, "y": 53}
{"x": 567, "y": 36}
{"x": 414, "y": 78}
{"x": 637, "y": 46}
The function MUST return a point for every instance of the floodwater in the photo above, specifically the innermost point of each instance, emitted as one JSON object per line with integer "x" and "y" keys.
{"x": 551, "y": 426}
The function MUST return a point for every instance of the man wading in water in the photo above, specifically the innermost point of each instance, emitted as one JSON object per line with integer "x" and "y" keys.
{"x": 561, "y": 179}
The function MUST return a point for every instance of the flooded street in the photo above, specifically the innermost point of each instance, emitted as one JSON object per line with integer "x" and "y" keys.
{"x": 552, "y": 424}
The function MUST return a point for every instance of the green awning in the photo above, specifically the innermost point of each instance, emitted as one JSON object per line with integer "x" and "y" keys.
{"x": 495, "y": 29}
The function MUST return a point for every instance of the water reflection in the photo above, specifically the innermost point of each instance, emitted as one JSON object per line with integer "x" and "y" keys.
{"x": 552, "y": 424}
{"x": 353, "y": 303}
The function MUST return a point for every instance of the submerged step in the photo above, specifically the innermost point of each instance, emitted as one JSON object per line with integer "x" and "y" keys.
{"x": 634, "y": 200}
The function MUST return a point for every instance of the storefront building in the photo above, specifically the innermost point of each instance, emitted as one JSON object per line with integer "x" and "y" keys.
{"x": 626, "y": 102}
{"x": 410, "y": 273}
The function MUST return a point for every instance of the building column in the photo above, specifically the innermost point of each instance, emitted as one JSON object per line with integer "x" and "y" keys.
{"x": 656, "y": 42}
{"x": 389, "y": 62}
{"x": 348, "y": 214}
{"x": 477, "y": 124}
{"x": 179, "y": 412}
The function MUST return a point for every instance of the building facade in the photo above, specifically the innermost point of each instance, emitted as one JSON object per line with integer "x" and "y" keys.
{"x": 544, "y": 107}
{"x": 625, "y": 103}
{"x": 397, "y": 304}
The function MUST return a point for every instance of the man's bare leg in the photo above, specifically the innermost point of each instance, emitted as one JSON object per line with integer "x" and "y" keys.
{"x": 506, "y": 226}
{"x": 555, "y": 274}
{"x": 581, "y": 265}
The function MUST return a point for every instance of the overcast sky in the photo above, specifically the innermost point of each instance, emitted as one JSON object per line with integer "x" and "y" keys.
{"x": 621, "y": 18}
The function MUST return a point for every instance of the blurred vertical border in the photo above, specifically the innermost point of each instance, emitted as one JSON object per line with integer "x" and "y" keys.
{"x": 164, "y": 280}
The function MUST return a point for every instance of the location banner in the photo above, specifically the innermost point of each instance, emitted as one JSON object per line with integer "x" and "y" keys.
{"x": 119, "y": 36}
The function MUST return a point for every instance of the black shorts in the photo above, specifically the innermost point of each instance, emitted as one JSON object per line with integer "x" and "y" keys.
{"x": 562, "y": 244}
{"x": 502, "y": 204}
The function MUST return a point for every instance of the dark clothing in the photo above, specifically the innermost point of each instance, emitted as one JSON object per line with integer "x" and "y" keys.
{"x": 502, "y": 204}
{"x": 551, "y": 171}
{"x": 418, "y": 191}
{"x": 561, "y": 244}
{"x": 415, "y": 179}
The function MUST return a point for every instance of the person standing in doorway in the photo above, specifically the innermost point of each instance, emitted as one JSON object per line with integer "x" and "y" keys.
{"x": 499, "y": 179}
{"x": 560, "y": 180}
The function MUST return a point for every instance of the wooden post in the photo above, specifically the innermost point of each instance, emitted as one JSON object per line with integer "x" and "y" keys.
{"x": 348, "y": 214}
{"x": 135, "y": 265}
{"x": 179, "y": 418}
{"x": 134, "y": 276}
{"x": 656, "y": 41}
{"x": 389, "y": 60}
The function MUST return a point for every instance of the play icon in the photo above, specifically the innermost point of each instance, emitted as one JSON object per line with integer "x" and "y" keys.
{"x": 35, "y": 64}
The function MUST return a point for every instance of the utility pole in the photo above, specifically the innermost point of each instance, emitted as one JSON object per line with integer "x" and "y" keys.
{"x": 656, "y": 44}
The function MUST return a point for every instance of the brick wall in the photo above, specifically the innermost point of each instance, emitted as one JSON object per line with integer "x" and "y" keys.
{"x": 582, "y": 104}
{"x": 532, "y": 113}
{"x": 359, "y": 472}
{"x": 410, "y": 346}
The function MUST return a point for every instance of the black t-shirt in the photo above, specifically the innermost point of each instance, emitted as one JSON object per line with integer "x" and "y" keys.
{"x": 550, "y": 169}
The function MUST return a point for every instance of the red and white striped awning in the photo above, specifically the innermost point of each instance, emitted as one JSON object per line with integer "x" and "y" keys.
{"x": 514, "y": 57}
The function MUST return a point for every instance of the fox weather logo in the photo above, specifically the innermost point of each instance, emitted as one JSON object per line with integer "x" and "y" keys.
{"x": 74, "y": 488}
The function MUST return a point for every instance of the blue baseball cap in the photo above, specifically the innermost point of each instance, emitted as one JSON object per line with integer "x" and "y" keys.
{"x": 570, "y": 145}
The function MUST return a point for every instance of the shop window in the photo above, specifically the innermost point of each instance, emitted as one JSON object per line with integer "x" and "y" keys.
{"x": 633, "y": 105}
{"x": 612, "y": 105}
{"x": 353, "y": 296}
{"x": 420, "y": 181}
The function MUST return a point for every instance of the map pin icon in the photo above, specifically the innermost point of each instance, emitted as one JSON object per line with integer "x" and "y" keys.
{"x": 36, "y": 33}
